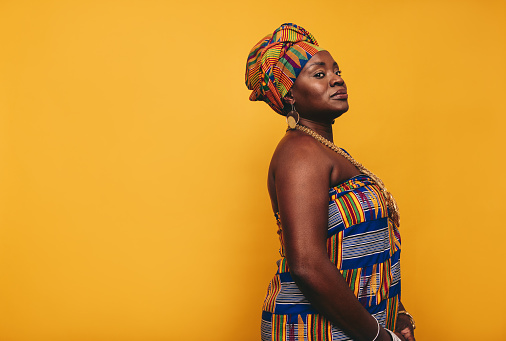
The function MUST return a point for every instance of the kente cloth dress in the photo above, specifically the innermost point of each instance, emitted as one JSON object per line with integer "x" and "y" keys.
{"x": 364, "y": 244}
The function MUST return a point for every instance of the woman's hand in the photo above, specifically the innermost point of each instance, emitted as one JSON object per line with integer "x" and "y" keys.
{"x": 404, "y": 327}
{"x": 401, "y": 336}
{"x": 386, "y": 336}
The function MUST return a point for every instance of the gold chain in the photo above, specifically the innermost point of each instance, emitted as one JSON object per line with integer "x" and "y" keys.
{"x": 389, "y": 198}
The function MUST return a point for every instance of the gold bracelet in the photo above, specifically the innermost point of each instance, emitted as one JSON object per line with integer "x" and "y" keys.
{"x": 411, "y": 319}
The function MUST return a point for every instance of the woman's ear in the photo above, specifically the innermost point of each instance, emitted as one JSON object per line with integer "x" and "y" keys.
{"x": 288, "y": 99}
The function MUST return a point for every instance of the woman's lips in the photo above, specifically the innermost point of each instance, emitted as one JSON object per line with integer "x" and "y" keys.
{"x": 338, "y": 95}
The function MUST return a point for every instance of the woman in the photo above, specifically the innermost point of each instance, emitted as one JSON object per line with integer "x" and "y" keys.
{"x": 339, "y": 275}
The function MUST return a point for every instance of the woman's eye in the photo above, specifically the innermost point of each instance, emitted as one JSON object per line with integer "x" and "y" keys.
{"x": 319, "y": 75}
{"x": 338, "y": 72}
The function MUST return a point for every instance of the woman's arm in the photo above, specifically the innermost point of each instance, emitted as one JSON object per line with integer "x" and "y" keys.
{"x": 302, "y": 186}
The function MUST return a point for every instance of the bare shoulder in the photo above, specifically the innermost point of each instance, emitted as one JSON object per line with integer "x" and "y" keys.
{"x": 299, "y": 153}
{"x": 299, "y": 176}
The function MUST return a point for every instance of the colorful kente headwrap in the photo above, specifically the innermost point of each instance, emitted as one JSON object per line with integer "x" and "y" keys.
{"x": 275, "y": 62}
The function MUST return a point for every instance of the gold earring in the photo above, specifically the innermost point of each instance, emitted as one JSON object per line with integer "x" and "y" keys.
{"x": 292, "y": 118}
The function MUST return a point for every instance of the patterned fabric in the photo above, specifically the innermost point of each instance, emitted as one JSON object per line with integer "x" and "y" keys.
{"x": 365, "y": 247}
{"x": 275, "y": 62}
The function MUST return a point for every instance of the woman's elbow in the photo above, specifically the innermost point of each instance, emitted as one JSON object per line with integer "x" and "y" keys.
{"x": 303, "y": 271}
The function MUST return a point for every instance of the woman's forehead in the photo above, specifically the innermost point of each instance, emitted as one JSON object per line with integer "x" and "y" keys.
{"x": 322, "y": 58}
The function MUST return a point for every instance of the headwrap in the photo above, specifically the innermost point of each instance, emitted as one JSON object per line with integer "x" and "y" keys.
{"x": 275, "y": 62}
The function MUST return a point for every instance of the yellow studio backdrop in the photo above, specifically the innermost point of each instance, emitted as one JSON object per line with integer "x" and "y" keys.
{"x": 133, "y": 168}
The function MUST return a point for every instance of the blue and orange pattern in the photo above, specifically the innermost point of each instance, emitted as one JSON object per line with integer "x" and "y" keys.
{"x": 275, "y": 62}
{"x": 364, "y": 244}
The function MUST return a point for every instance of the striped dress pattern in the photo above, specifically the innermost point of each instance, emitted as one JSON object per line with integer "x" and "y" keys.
{"x": 365, "y": 247}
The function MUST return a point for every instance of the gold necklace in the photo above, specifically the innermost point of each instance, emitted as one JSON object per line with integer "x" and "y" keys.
{"x": 393, "y": 209}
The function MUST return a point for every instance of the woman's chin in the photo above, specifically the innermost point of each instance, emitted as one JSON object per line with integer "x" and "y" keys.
{"x": 339, "y": 113}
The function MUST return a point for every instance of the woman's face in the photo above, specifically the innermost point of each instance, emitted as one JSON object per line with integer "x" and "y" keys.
{"x": 319, "y": 93}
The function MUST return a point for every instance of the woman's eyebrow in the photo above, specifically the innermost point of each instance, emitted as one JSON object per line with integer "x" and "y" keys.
{"x": 316, "y": 63}
{"x": 320, "y": 64}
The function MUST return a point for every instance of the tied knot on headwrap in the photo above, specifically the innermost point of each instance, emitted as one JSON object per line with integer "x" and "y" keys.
{"x": 275, "y": 62}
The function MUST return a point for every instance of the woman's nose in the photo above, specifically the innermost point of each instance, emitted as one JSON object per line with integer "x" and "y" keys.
{"x": 336, "y": 80}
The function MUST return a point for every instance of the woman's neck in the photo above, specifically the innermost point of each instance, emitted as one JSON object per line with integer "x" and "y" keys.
{"x": 324, "y": 129}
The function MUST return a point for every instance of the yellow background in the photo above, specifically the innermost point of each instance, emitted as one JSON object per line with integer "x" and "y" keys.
{"x": 133, "y": 167}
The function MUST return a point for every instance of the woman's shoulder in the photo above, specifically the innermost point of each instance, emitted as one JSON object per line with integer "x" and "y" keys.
{"x": 297, "y": 149}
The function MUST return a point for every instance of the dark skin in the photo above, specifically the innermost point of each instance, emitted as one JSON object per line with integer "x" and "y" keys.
{"x": 301, "y": 172}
